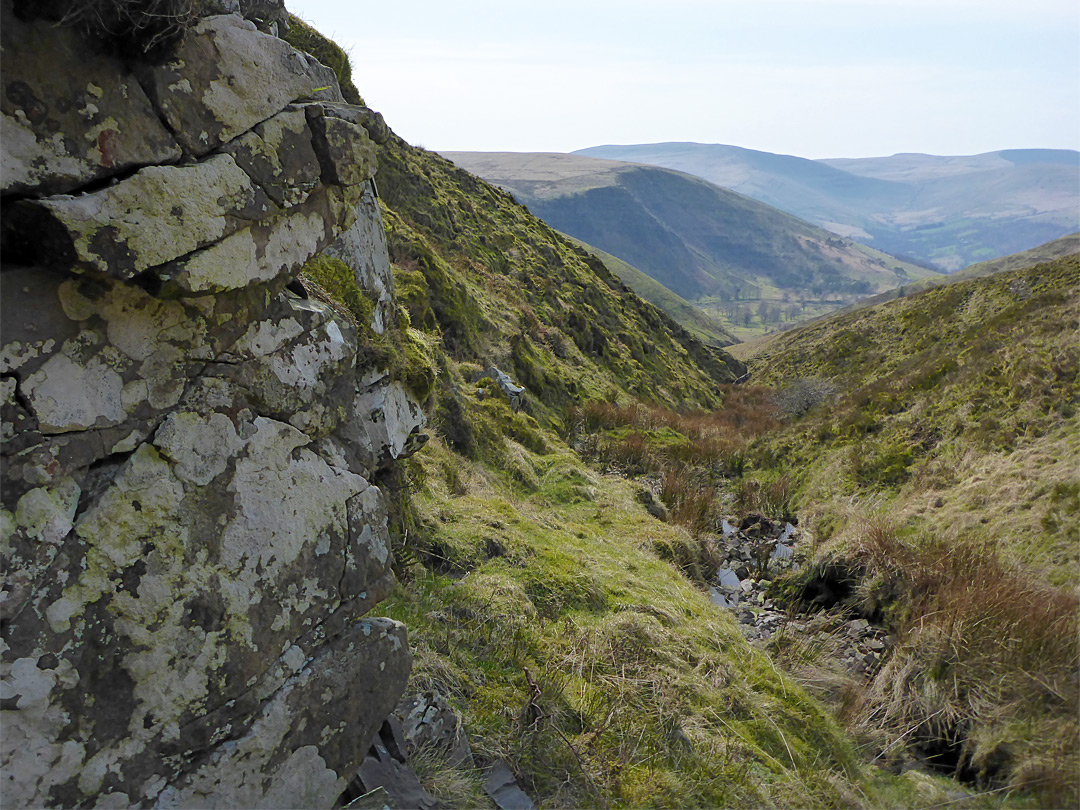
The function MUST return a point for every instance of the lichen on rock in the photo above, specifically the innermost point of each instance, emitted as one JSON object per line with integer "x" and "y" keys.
{"x": 190, "y": 534}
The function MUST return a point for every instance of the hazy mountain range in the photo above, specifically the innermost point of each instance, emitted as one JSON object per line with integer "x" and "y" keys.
{"x": 948, "y": 211}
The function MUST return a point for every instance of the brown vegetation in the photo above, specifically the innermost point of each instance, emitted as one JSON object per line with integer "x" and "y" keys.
{"x": 983, "y": 676}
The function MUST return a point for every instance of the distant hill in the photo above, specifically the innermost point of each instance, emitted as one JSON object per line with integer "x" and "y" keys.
{"x": 947, "y": 211}
{"x": 695, "y": 238}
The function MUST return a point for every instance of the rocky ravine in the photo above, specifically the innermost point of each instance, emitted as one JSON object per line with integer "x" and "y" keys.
{"x": 190, "y": 535}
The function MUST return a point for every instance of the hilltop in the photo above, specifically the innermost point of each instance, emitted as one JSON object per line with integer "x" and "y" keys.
{"x": 948, "y": 211}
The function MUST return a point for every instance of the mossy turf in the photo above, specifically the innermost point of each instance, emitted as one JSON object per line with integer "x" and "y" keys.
{"x": 303, "y": 36}
{"x": 407, "y": 354}
{"x": 647, "y": 695}
{"x": 947, "y": 403}
{"x": 941, "y": 463}
{"x": 558, "y": 616}
{"x": 499, "y": 287}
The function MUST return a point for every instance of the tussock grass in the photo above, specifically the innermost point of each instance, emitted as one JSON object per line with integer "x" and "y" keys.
{"x": 983, "y": 677}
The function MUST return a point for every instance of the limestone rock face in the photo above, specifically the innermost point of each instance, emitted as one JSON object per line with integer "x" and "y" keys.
{"x": 70, "y": 115}
{"x": 227, "y": 77}
{"x": 363, "y": 247}
{"x": 191, "y": 534}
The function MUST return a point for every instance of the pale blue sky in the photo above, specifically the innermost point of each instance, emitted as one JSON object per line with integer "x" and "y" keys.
{"x": 815, "y": 78}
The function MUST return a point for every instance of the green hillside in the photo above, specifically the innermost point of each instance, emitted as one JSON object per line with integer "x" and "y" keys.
{"x": 929, "y": 446}
{"x": 554, "y": 559}
{"x": 706, "y": 328}
{"x": 932, "y": 446}
{"x": 497, "y": 286}
{"x": 930, "y": 387}
{"x": 1059, "y": 248}
{"x": 570, "y": 628}
{"x": 1065, "y": 246}
{"x": 540, "y": 595}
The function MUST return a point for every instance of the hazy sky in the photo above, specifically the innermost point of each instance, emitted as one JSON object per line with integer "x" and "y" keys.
{"x": 815, "y": 78}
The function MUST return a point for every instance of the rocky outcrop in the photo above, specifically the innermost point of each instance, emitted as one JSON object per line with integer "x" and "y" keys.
{"x": 191, "y": 535}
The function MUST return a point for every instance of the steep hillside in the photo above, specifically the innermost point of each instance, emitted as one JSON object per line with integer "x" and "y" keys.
{"x": 497, "y": 286}
{"x": 706, "y": 328}
{"x": 697, "y": 240}
{"x": 949, "y": 211}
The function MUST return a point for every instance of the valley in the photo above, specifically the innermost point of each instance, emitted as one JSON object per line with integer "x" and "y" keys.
{"x": 340, "y": 472}
{"x": 747, "y": 265}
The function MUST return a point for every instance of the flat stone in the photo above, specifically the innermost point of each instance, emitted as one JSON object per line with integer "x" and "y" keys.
{"x": 295, "y": 364}
{"x": 346, "y": 153}
{"x": 782, "y": 552}
{"x": 227, "y": 77}
{"x": 370, "y": 120}
{"x": 503, "y": 789}
{"x": 379, "y": 426}
{"x": 152, "y": 217}
{"x": 278, "y": 155}
{"x": 267, "y": 250}
{"x": 726, "y": 578}
{"x": 429, "y": 722}
{"x": 724, "y": 600}
{"x": 386, "y": 766}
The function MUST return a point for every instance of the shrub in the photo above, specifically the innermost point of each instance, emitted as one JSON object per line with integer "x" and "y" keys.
{"x": 771, "y": 498}
{"x": 689, "y": 500}
{"x": 630, "y": 454}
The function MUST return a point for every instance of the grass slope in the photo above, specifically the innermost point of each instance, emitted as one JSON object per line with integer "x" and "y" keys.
{"x": 536, "y": 592}
{"x": 564, "y": 622}
{"x": 1059, "y": 248}
{"x": 593, "y": 667}
{"x": 930, "y": 447}
{"x": 498, "y": 286}
{"x": 695, "y": 320}
{"x": 932, "y": 386}
{"x": 935, "y": 456}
